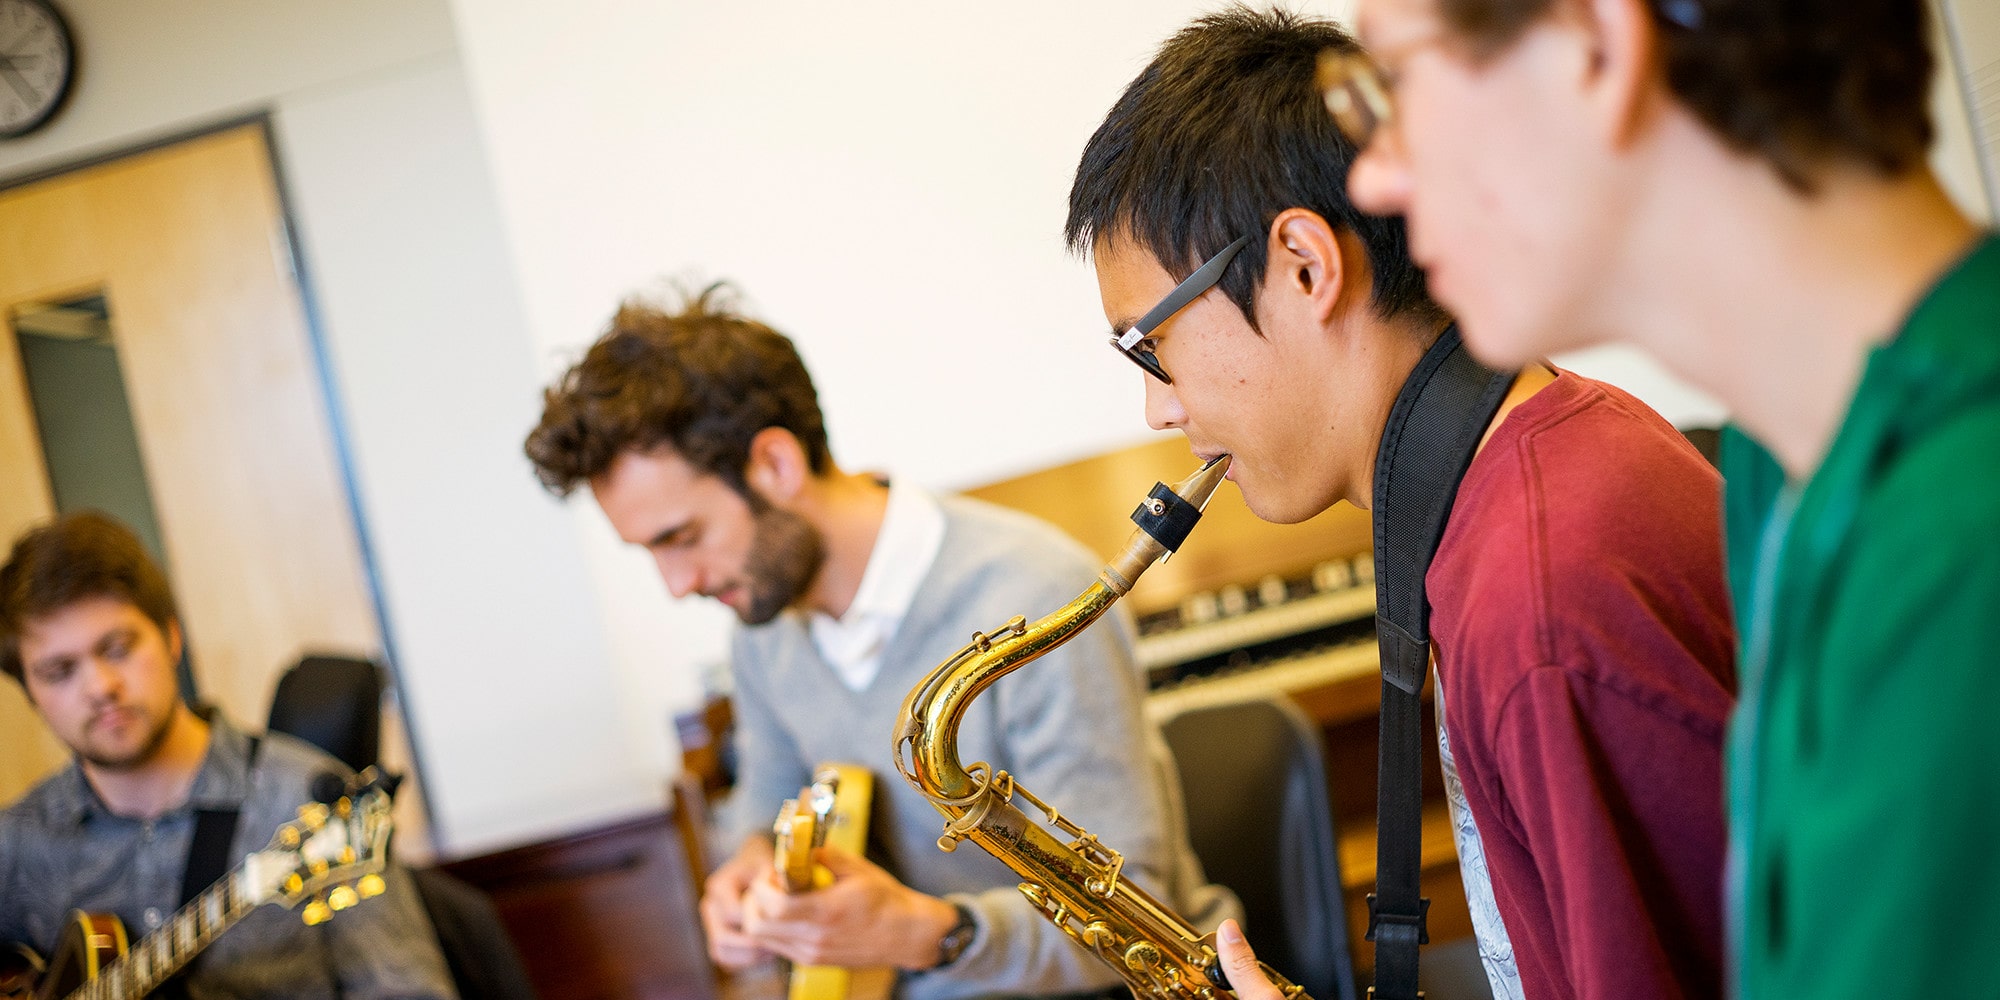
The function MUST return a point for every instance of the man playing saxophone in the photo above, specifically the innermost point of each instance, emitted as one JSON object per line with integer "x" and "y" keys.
{"x": 1579, "y": 618}
{"x": 699, "y": 434}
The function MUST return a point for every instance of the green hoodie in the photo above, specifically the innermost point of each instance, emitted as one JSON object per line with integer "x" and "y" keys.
{"x": 1864, "y": 759}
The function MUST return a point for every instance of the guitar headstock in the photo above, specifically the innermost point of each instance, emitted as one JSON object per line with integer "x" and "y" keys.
{"x": 802, "y": 826}
{"x": 330, "y": 857}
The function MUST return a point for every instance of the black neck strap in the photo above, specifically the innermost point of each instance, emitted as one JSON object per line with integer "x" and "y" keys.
{"x": 208, "y": 857}
{"x": 1433, "y": 430}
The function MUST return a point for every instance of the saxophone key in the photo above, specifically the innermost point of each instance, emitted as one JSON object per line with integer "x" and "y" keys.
{"x": 1099, "y": 935}
{"x": 1142, "y": 956}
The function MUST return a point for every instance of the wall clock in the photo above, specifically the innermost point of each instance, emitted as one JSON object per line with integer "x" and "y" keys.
{"x": 37, "y": 65}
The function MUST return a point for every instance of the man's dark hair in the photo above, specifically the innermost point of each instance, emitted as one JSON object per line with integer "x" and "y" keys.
{"x": 702, "y": 381}
{"x": 1218, "y": 135}
{"x": 74, "y": 558}
{"x": 1798, "y": 83}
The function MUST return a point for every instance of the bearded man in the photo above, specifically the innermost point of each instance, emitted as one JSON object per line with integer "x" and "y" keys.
{"x": 700, "y": 436}
{"x": 89, "y": 629}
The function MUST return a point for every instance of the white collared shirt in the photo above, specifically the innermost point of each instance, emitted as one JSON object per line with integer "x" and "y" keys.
{"x": 912, "y": 532}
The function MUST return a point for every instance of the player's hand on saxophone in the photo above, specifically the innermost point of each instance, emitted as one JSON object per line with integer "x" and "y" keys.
{"x": 1240, "y": 965}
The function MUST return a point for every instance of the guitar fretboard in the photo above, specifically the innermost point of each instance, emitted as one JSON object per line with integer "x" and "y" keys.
{"x": 167, "y": 950}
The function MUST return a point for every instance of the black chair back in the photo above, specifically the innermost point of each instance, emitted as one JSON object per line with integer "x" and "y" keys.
{"x": 334, "y": 703}
{"x": 1254, "y": 776}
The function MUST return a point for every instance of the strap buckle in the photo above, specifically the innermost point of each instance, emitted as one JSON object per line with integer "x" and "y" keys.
{"x": 1399, "y": 926}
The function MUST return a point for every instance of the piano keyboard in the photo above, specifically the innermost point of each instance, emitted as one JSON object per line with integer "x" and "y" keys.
{"x": 1292, "y": 675}
{"x": 1252, "y": 627}
{"x": 1278, "y": 637}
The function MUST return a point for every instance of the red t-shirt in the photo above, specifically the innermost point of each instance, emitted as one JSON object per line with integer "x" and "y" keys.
{"x": 1583, "y": 640}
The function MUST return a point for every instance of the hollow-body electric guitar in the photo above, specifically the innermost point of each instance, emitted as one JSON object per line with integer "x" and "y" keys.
{"x": 833, "y": 811}
{"x": 326, "y": 860}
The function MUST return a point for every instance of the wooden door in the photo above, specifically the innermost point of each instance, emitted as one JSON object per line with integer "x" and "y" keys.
{"x": 187, "y": 243}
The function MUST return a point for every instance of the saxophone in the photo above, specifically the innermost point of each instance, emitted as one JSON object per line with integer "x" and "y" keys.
{"x": 1076, "y": 883}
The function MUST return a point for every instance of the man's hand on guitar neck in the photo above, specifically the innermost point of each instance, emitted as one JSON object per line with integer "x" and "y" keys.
{"x": 865, "y": 918}
{"x": 722, "y": 900}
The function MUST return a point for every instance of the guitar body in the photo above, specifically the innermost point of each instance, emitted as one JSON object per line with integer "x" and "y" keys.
{"x": 90, "y": 942}
{"x": 20, "y": 970}
{"x": 834, "y": 811}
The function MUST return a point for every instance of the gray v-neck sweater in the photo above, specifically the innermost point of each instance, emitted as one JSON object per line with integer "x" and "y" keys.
{"x": 1070, "y": 727}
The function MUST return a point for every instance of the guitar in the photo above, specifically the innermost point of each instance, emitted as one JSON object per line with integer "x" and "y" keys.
{"x": 833, "y": 811}
{"x": 328, "y": 859}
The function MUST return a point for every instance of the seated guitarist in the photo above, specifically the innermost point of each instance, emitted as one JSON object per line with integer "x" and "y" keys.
{"x": 89, "y": 631}
{"x": 699, "y": 434}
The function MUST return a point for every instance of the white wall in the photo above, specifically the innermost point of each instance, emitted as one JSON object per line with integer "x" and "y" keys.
{"x": 500, "y": 643}
{"x": 1967, "y": 41}
{"x": 884, "y": 181}
{"x": 152, "y": 67}
{"x": 504, "y": 662}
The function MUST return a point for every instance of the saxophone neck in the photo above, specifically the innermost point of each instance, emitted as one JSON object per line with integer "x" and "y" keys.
{"x": 928, "y": 731}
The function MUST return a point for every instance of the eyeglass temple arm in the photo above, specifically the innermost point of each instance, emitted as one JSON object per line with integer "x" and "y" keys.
{"x": 1187, "y": 291}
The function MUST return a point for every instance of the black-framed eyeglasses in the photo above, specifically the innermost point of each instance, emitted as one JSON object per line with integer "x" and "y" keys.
{"x": 1203, "y": 279}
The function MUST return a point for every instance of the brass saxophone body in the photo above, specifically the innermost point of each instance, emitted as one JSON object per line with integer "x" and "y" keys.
{"x": 1074, "y": 880}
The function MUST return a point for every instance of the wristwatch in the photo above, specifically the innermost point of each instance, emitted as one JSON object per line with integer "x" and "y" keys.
{"x": 956, "y": 940}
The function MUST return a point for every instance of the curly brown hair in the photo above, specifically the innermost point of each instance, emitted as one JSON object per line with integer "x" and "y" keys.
{"x": 702, "y": 380}
{"x": 1799, "y": 83}
{"x": 75, "y": 557}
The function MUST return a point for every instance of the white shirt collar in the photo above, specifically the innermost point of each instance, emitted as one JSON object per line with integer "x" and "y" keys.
{"x": 912, "y": 532}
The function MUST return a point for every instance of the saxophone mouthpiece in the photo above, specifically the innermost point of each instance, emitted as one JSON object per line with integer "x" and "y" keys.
{"x": 1197, "y": 488}
{"x": 1164, "y": 518}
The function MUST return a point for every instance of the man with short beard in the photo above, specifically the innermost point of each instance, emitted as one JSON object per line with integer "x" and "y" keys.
{"x": 88, "y": 629}
{"x": 700, "y": 436}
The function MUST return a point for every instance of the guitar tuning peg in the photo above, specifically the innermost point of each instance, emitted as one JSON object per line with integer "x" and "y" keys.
{"x": 313, "y": 815}
{"x": 288, "y": 836}
{"x": 342, "y": 897}
{"x": 347, "y": 855}
{"x": 371, "y": 886}
{"x": 294, "y": 884}
{"x": 316, "y": 913}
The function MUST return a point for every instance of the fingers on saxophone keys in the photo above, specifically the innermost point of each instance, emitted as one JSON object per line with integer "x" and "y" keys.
{"x": 1246, "y": 979}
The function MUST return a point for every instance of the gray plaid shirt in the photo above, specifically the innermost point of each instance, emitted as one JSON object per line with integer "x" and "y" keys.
{"x": 61, "y": 849}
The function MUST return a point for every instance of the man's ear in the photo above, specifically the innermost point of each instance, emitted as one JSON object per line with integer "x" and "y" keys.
{"x": 173, "y": 636}
{"x": 1624, "y": 64}
{"x": 778, "y": 468}
{"x": 1306, "y": 259}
